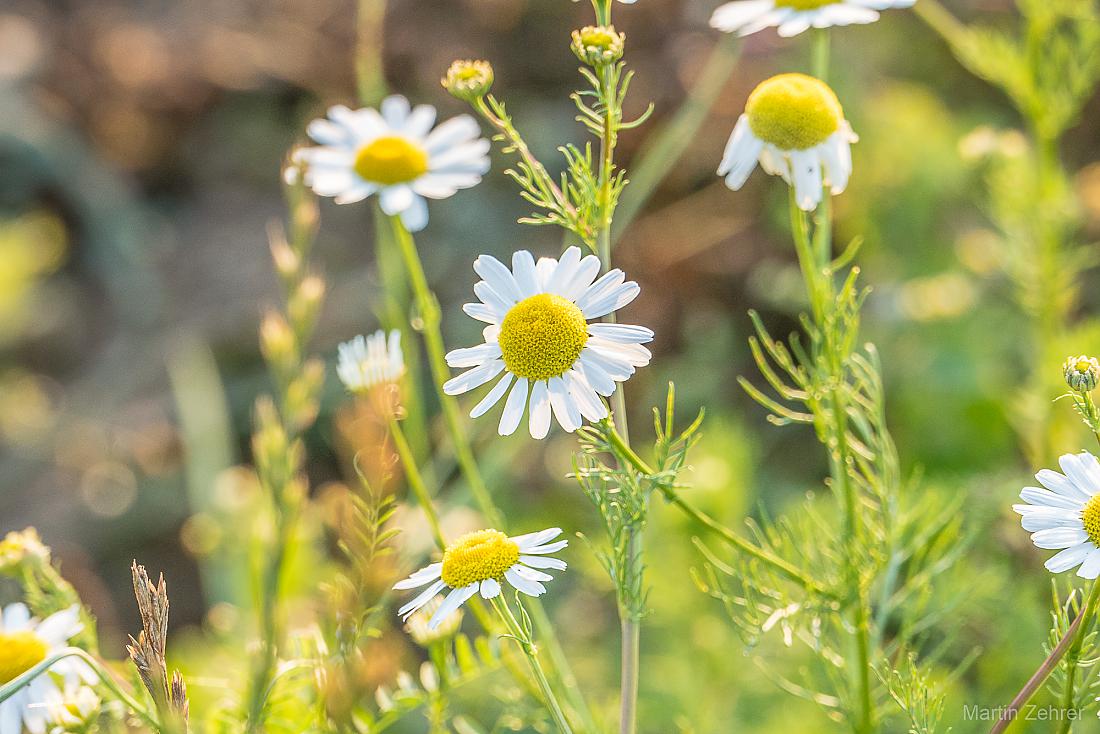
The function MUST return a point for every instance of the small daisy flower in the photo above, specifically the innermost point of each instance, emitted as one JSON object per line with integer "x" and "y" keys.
{"x": 366, "y": 362}
{"x": 540, "y": 338}
{"x": 395, "y": 153}
{"x": 1082, "y": 373}
{"x": 1065, "y": 514}
{"x": 794, "y": 126}
{"x": 24, "y": 643}
{"x": 73, "y": 707}
{"x": 791, "y": 17}
{"x": 480, "y": 562}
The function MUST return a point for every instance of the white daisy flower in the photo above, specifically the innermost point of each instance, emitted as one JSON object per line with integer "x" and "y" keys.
{"x": 366, "y": 362}
{"x": 72, "y": 707}
{"x": 1065, "y": 514}
{"x": 794, "y": 126}
{"x": 540, "y": 338}
{"x": 25, "y": 642}
{"x": 395, "y": 153}
{"x": 791, "y": 17}
{"x": 480, "y": 562}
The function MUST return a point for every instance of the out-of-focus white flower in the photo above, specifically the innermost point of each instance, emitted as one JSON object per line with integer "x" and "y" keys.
{"x": 540, "y": 338}
{"x": 26, "y": 642}
{"x": 480, "y": 562}
{"x": 393, "y": 152}
{"x": 791, "y": 17}
{"x": 71, "y": 707}
{"x": 366, "y": 362}
{"x": 793, "y": 125}
{"x": 1064, "y": 514}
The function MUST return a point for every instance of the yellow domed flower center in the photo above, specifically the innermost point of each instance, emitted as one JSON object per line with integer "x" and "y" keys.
{"x": 803, "y": 4}
{"x": 391, "y": 159}
{"x": 542, "y": 336}
{"x": 479, "y": 556}
{"x": 793, "y": 111}
{"x": 1082, "y": 365}
{"x": 19, "y": 652}
{"x": 1090, "y": 519}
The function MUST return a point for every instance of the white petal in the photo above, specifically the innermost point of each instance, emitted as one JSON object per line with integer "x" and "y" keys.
{"x": 483, "y": 312}
{"x": 740, "y": 155}
{"x": 614, "y": 366}
{"x": 1040, "y": 518}
{"x": 16, "y": 617}
{"x": 471, "y": 157}
{"x": 1057, "y": 538}
{"x": 544, "y": 270}
{"x": 493, "y": 397}
{"x": 540, "y": 562}
{"x": 531, "y": 574}
{"x": 621, "y": 333}
{"x": 531, "y": 588}
{"x": 490, "y": 588}
{"x": 395, "y": 109}
{"x": 531, "y": 540}
{"x": 585, "y": 272}
{"x": 60, "y": 626}
{"x": 565, "y": 269}
{"x": 492, "y": 298}
{"x": 523, "y": 269}
{"x": 497, "y": 275}
{"x": 1090, "y": 569}
{"x": 548, "y": 548}
{"x": 1060, "y": 484}
{"x": 421, "y": 599}
{"x": 608, "y": 282}
{"x": 595, "y": 375}
{"x": 396, "y": 199}
{"x": 513, "y": 408}
{"x": 539, "y": 422}
{"x": 586, "y": 399}
{"x": 1070, "y": 557}
{"x": 1046, "y": 498}
{"x": 473, "y": 356}
{"x": 355, "y": 193}
{"x": 569, "y": 417}
{"x": 806, "y": 171}
{"x": 415, "y": 216}
{"x": 732, "y": 16}
{"x": 476, "y": 377}
{"x": 454, "y": 600}
{"x": 635, "y": 355}
{"x": 420, "y": 121}
{"x": 613, "y": 301}
{"x": 797, "y": 23}
{"x": 421, "y": 577}
{"x": 450, "y": 133}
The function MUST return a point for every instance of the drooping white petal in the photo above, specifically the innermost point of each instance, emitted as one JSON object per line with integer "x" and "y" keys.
{"x": 421, "y": 599}
{"x": 740, "y": 155}
{"x": 17, "y": 617}
{"x": 567, "y": 414}
{"x": 539, "y": 423}
{"x": 454, "y": 600}
{"x": 421, "y": 577}
{"x": 396, "y": 199}
{"x": 475, "y": 377}
{"x": 1068, "y": 558}
{"x": 532, "y": 574}
{"x": 531, "y": 588}
{"x": 493, "y": 397}
{"x": 415, "y": 215}
{"x": 796, "y": 23}
{"x": 490, "y": 588}
{"x": 595, "y": 375}
{"x": 1090, "y": 569}
{"x": 617, "y": 368}
{"x": 806, "y": 171}
{"x": 585, "y": 398}
{"x": 513, "y": 408}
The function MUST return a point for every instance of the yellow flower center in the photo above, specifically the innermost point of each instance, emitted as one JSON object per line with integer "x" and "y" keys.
{"x": 542, "y": 336}
{"x": 597, "y": 37}
{"x": 1090, "y": 518}
{"x": 19, "y": 652}
{"x": 479, "y": 556}
{"x": 391, "y": 159}
{"x": 803, "y": 4}
{"x": 1082, "y": 365}
{"x": 793, "y": 111}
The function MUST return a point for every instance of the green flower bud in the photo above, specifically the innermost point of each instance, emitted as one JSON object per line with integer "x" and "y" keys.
{"x": 598, "y": 45}
{"x": 1082, "y": 373}
{"x": 468, "y": 80}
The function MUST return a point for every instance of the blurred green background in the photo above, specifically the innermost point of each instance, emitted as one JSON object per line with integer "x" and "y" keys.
{"x": 141, "y": 143}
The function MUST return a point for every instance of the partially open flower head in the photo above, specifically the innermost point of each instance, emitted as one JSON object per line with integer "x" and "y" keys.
{"x": 416, "y": 624}
{"x": 1064, "y": 514}
{"x": 480, "y": 562}
{"x": 794, "y": 127}
{"x": 468, "y": 80}
{"x": 540, "y": 337}
{"x": 24, "y": 643}
{"x": 598, "y": 45}
{"x": 792, "y": 17}
{"x": 393, "y": 152}
{"x": 72, "y": 708}
{"x": 367, "y": 362}
{"x": 21, "y": 547}
{"x": 1082, "y": 373}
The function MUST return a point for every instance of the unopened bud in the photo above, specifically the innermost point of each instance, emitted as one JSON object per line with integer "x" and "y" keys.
{"x": 1082, "y": 373}
{"x": 468, "y": 80}
{"x": 598, "y": 45}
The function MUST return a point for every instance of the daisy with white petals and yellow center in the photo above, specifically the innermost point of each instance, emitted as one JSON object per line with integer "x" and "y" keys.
{"x": 540, "y": 338}
{"x": 24, "y": 643}
{"x": 481, "y": 562}
{"x": 395, "y": 153}
{"x": 366, "y": 362}
{"x": 791, "y": 17}
{"x": 1064, "y": 514}
{"x": 794, "y": 126}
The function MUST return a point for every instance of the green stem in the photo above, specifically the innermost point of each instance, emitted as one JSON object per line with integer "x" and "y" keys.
{"x": 1073, "y": 656}
{"x": 820, "y": 54}
{"x": 416, "y": 481}
{"x": 528, "y": 646}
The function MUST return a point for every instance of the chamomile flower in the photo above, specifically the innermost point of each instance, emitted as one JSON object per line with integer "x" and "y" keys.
{"x": 480, "y": 562}
{"x": 24, "y": 643}
{"x": 72, "y": 708}
{"x": 794, "y": 126}
{"x": 367, "y": 362}
{"x": 1064, "y": 514}
{"x": 395, "y": 153}
{"x": 540, "y": 338}
{"x": 791, "y": 17}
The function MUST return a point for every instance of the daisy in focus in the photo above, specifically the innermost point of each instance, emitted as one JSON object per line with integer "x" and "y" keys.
{"x": 794, "y": 126}
{"x": 480, "y": 562}
{"x": 540, "y": 338}
{"x": 24, "y": 643}
{"x": 395, "y": 153}
{"x": 366, "y": 362}
{"x": 791, "y": 17}
{"x": 1064, "y": 514}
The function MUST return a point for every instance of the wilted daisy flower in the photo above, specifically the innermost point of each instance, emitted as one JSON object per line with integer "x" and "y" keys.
{"x": 1066, "y": 514}
{"x": 366, "y": 362}
{"x": 24, "y": 643}
{"x": 396, "y": 154}
{"x": 791, "y": 17}
{"x": 1082, "y": 373}
{"x": 480, "y": 562}
{"x": 794, "y": 126}
{"x": 539, "y": 336}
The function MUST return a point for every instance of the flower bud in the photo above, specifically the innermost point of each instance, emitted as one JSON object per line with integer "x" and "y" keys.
{"x": 598, "y": 45}
{"x": 468, "y": 80}
{"x": 1082, "y": 373}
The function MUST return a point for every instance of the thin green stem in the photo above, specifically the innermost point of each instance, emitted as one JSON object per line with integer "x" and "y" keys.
{"x": 1073, "y": 656}
{"x": 416, "y": 481}
{"x": 522, "y": 637}
{"x": 820, "y": 54}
